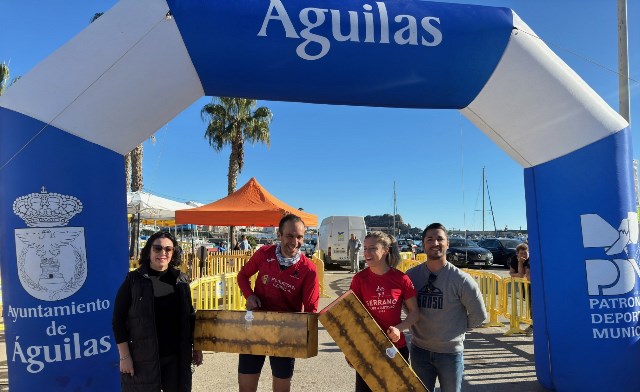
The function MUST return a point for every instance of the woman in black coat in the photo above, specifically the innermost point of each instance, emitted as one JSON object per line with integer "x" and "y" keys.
{"x": 153, "y": 321}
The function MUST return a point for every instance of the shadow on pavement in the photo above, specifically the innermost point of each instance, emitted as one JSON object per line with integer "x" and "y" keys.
{"x": 329, "y": 347}
{"x": 498, "y": 363}
{"x": 340, "y": 286}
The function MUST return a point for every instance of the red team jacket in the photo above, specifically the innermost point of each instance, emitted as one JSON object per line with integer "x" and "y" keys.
{"x": 383, "y": 296}
{"x": 294, "y": 289}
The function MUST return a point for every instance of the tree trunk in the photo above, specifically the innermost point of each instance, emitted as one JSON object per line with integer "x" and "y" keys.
{"x": 127, "y": 171}
{"x": 136, "y": 186}
{"x": 234, "y": 170}
{"x": 235, "y": 165}
{"x": 136, "y": 168}
{"x": 134, "y": 246}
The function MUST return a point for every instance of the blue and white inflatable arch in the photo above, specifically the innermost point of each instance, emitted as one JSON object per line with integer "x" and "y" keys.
{"x": 66, "y": 125}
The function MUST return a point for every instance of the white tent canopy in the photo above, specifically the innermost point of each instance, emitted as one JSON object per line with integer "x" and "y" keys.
{"x": 153, "y": 207}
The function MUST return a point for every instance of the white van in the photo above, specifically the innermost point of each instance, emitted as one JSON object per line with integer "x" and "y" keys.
{"x": 334, "y": 234}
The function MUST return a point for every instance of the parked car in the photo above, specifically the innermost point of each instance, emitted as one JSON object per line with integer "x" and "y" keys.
{"x": 405, "y": 245}
{"x": 466, "y": 253}
{"x": 503, "y": 249}
{"x": 307, "y": 249}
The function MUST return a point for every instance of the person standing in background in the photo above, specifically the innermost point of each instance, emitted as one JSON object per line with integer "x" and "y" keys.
{"x": 244, "y": 243}
{"x": 353, "y": 250}
{"x": 520, "y": 268}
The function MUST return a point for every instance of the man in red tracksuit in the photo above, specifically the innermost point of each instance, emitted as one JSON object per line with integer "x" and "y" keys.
{"x": 287, "y": 281}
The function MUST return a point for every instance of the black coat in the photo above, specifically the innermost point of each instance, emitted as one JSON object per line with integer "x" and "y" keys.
{"x": 140, "y": 324}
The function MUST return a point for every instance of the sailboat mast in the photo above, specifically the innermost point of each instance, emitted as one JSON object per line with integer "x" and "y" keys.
{"x": 395, "y": 209}
{"x": 623, "y": 61}
{"x": 483, "y": 192}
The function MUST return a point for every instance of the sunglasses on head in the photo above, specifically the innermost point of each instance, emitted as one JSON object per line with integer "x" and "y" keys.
{"x": 160, "y": 248}
{"x": 429, "y": 287}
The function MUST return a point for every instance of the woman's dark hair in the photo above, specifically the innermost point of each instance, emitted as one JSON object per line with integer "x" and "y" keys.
{"x": 176, "y": 257}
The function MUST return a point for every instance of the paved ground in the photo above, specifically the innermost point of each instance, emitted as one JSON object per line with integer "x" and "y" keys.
{"x": 493, "y": 362}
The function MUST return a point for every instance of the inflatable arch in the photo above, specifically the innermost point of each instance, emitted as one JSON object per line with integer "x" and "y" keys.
{"x": 66, "y": 125}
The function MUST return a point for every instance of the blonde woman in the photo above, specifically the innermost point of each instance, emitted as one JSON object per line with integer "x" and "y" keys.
{"x": 384, "y": 290}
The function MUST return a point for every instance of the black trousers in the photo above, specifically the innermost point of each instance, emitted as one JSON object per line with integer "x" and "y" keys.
{"x": 169, "y": 374}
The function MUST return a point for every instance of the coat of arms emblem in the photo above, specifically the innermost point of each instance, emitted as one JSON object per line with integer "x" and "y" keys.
{"x": 52, "y": 261}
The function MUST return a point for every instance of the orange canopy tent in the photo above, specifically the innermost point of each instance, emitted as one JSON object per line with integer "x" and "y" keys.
{"x": 250, "y": 205}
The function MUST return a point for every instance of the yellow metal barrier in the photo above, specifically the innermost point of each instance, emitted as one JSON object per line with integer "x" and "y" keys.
{"x": 217, "y": 292}
{"x": 221, "y": 291}
{"x": 406, "y": 255}
{"x": 421, "y": 257}
{"x": 405, "y": 265}
{"x": 216, "y": 263}
{"x": 516, "y": 304}
{"x": 214, "y": 284}
{"x": 320, "y": 268}
{"x": 492, "y": 292}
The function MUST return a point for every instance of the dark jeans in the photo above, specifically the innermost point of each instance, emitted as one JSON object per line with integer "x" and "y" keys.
{"x": 446, "y": 367}
{"x": 362, "y": 386}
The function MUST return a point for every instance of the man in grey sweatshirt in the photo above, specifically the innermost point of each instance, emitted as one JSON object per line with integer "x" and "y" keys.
{"x": 450, "y": 303}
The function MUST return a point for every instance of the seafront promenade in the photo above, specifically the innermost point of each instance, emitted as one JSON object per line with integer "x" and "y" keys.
{"x": 493, "y": 362}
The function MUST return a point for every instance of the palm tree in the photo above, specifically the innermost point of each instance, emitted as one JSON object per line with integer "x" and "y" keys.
{"x": 135, "y": 156}
{"x": 4, "y": 76}
{"x": 96, "y": 16}
{"x": 234, "y": 121}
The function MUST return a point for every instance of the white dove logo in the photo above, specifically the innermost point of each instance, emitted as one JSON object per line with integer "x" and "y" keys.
{"x": 616, "y": 276}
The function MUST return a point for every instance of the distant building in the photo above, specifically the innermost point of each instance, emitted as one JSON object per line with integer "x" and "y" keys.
{"x": 384, "y": 229}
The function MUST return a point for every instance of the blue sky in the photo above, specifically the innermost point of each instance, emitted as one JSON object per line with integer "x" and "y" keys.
{"x": 339, "y": 160}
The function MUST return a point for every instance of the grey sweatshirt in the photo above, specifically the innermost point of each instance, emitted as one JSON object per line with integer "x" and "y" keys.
{"x": 454, "y": 306}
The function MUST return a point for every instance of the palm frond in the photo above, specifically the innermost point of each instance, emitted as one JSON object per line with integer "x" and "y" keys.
{"x": 4, "y": 76}
{"x": 96, "y": 16}
{"x": 232, "y": 121}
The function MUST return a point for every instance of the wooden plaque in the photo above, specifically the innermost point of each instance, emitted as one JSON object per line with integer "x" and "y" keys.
{"x": 365, "y": 346}
{"x": 281, "y": 334}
